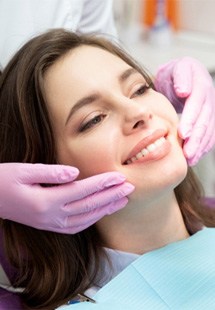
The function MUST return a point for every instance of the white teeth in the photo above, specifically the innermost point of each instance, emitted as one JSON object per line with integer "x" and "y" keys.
{"x": 139, "y": 155}
{"x": 145, "y": 152}
{"x": 159, "y": 141}
{"x": 150, "y": 148}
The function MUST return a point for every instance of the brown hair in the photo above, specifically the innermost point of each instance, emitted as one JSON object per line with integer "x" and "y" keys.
{"x": 55, "y": 267}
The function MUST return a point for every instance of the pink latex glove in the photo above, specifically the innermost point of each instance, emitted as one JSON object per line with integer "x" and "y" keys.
{"x": 66, "y": 208}
{"x": 189, "y": 86}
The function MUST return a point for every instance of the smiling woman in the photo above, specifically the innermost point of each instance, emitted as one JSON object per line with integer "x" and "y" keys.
{"x": 82, "y": 101}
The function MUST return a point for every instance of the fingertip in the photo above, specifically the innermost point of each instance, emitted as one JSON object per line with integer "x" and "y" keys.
{"x": 191, "y": 154}
{"x": 67, "y": 173}
{"x": 128, "y": 188}
{"x": 184, "y": 130}
{"x": 182, "y": 92}
{"x": 192, "y": 161}
{"x": 113, "y": 178}
{"x": 117, "y": 205}
{"x": 185, "y": 135}
{"x": 189, "y": 149}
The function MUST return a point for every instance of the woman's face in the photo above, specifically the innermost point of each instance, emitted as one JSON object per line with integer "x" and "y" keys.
{"x": 105, "y": 119}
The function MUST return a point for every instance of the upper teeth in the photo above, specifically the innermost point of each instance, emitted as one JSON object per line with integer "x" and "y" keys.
{"x": 150, "y": 148}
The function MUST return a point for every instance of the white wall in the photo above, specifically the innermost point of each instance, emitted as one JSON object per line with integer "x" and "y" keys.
{"x": 197, "y": 15}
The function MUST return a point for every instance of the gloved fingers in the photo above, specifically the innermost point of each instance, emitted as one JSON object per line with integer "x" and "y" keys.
{"x": 85, "y": 220}
{"x": 167, "y": 90}
{"x": 208, "y": 139}
{"x": 170, "y": 82}
{"x": 182, "y": 78}
{"x": 194, "y": 104}
{"x": 196, "y": 145}
{"x": 78, "y": 190}
{"x": 47, "y": 174}
{"x": 206, "y": 144}
{"x": 191, "y": 145}
{"x": 99, "y": 199}
{"x": 162, "y": 87}
{"x": 164, "y": 73}
{"x": 211, "y": 128}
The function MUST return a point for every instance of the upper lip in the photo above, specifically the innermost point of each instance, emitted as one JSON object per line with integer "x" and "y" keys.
{"x": 145, "y": 142}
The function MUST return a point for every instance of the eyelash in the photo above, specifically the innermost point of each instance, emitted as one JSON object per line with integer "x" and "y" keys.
{"x": 92, "y": 122}
{"x": 96, "y": 119}
{"x": 141, "y": 90}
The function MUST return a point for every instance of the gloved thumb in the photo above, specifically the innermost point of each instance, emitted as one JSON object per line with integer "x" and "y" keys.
{"x": 49, "y": 174}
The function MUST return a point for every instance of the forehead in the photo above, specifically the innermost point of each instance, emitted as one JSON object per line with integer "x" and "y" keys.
{"x": 80, "y": 72}
{"x": 86, "y": 60}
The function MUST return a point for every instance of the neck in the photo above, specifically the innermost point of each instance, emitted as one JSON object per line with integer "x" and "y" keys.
{"x": 140, "y": 229}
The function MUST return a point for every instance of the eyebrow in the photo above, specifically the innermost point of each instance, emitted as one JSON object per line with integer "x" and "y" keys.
{"x": 92, "y": 98}
{"x": 127, "y": 73}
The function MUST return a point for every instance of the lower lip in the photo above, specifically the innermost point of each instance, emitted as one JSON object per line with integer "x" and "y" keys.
{"x": 159, "y": 153}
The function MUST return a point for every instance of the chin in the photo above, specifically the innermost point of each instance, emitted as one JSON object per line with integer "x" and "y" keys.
{"x": 163, "y": 180}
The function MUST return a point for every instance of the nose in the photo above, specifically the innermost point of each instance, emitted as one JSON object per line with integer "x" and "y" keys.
{"x": 136, "y": 117}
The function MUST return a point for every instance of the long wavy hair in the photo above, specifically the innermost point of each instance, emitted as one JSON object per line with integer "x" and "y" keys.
{"x": 53, "y": 267}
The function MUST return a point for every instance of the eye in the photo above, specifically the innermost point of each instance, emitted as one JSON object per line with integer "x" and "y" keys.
{"x": 141, "y": 90}
{"x": 92, "y": 122}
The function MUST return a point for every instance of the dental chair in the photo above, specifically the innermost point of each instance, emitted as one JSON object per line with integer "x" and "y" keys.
{"x": 8, "y": 300}
{"x": 210, "y": 202}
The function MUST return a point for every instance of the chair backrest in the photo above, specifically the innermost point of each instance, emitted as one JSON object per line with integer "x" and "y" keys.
{"x": 8, "y": 300}
{"x": 210, "y": 202}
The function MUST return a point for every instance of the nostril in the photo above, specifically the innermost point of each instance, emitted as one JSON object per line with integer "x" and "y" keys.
{"x": 138, "y": 124}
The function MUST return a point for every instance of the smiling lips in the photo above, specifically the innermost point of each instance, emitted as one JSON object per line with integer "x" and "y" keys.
{"x": 146, "y": 150}
{"x": 148, "y": 147}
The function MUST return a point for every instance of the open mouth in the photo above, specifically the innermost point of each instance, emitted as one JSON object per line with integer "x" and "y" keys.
{"x": 150, "y": 148}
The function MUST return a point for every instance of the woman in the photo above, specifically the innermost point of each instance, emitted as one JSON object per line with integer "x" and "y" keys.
{"x": 22, "y": 181}
{"x": 82, "y": 101}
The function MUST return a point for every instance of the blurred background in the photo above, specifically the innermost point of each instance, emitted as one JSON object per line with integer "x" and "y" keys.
{"x": 156, "y": 31}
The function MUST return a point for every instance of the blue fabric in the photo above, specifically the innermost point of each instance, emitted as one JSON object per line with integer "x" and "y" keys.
{"x": 178, "y": 276}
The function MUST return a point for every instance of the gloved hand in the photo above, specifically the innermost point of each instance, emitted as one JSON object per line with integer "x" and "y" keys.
{"x": 66, "y": 208}
{"x": 188, "y": 85}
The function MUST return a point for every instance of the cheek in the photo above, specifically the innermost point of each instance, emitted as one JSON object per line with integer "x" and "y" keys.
{"x": 164, "y": 108}
{"x": 94, "y": 163}
{"x": 90, "y": 158}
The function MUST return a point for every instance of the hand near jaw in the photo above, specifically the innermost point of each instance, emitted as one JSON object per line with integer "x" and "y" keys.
{"x": 189, "y": 86}
{"x": 68, "y": 207}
